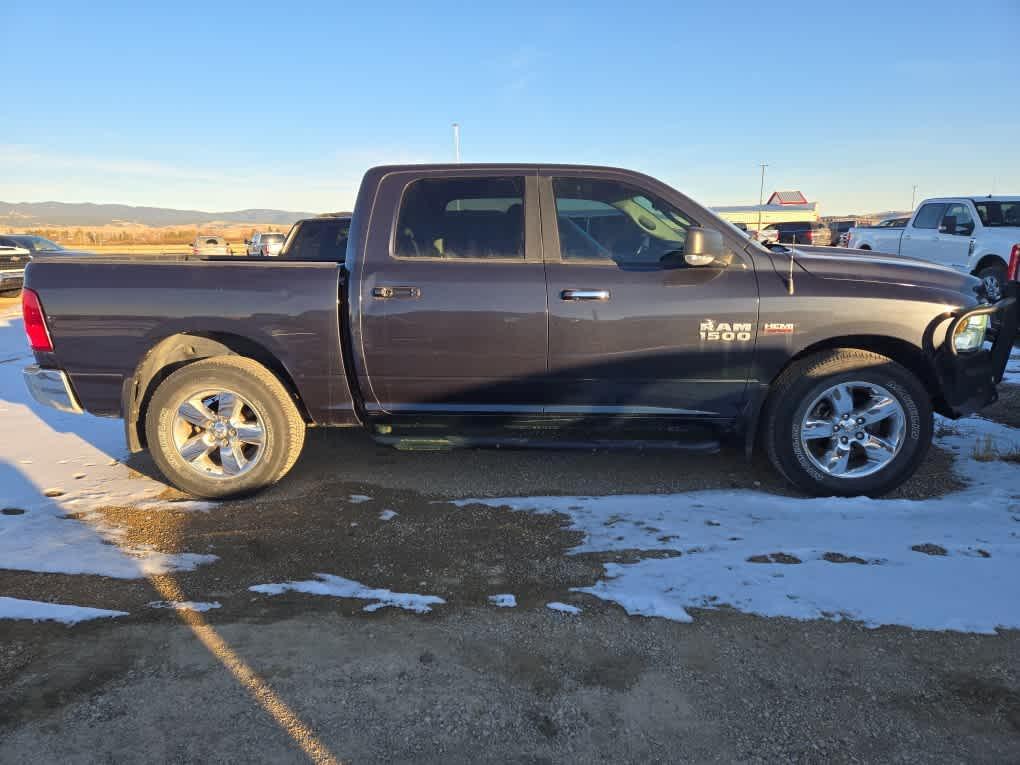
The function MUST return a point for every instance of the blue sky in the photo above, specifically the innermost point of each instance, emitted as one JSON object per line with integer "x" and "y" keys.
{"x": 220, "y": 106}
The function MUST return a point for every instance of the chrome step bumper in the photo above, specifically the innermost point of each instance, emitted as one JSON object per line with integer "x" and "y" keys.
{"x": 51, "y": 387}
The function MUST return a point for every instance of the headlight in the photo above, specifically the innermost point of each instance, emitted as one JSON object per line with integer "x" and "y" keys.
{"x": 971, "y": 333}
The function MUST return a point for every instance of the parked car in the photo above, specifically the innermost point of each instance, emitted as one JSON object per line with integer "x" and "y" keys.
{"x": 16, "y": 250}
{"x": 13, "y": 260}
{"x": 976, "y": 235}
{"x": 838, "y": 231}
{"x": 521, "y": 305}
{"x": 208, "y": 246}
{"x": 768, "y": 234}
{"x": 898, "y": 221}
{"x": 321, "y": 238}
{"x": 807, "y": 232}
{"x": 265, "y": 244}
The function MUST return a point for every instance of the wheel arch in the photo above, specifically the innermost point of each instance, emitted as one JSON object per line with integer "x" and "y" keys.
{"x": 990, "y": 259}
{"x": 178, "y": 350}
{"x": 899, "y": 350}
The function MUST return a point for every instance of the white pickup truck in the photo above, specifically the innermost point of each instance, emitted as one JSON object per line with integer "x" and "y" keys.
{"x": 978, "y": 235}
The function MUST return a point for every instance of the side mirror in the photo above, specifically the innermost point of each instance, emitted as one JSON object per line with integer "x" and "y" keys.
{"x": 948, "y": 225}
{"x": 704, "y": 247}
{"x": 247, "y": 242}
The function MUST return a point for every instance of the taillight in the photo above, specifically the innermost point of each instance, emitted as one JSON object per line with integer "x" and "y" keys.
{"x": 1013, "y": 269}
{"x": 808, "y": 236}
{"x": 35, "y": 322}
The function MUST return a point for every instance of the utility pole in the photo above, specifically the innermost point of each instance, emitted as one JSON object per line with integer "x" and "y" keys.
{"x": 761, "y": 196}
{"x": 913, "y": 198}
{"x": 456, "y": 142}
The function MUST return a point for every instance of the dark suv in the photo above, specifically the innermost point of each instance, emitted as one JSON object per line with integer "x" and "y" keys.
{"x": 804, "y": 232}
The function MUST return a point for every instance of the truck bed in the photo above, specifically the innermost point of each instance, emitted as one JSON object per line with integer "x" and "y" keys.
{"x": 106, "y": 313}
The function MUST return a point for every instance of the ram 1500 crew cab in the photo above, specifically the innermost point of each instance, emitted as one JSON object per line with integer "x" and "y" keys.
{"x": 976, "y": 235}
{"x": 520, "y": 305}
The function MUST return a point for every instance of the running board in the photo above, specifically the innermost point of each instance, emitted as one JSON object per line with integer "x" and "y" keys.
{"x": 448, "y": 443}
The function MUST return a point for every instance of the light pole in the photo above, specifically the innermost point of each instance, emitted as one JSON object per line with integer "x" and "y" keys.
{"x": 761, "y": 196}
{"x": 913, "y": 198}
{"x": 456, "y": 142}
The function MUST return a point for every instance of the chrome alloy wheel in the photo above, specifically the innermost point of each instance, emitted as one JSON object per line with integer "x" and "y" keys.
{"x": 993, "y": 287}
{"x": 219, "y": 433}
{"x": 853, "y": 429}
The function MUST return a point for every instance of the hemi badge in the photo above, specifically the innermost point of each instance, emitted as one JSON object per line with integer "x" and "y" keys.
{"x": 777, "y": 328}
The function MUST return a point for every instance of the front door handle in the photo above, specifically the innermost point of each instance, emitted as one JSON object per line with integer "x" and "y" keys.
{"x": 584, "y": 295}
{"x": 396, "y": 292}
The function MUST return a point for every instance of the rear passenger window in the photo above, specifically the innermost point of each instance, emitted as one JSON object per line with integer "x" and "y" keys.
{"x": 929, "y": 216}
{"x": 462, "y": 218}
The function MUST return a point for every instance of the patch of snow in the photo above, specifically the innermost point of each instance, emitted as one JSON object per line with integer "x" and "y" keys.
{"x": 564, "y": 608}
{"x": 339, "y": 587}
{"x": 42, "y": 452}
{"x": 387, "y": 515}
{"x": 1012, "y": 374}
{"x": 829, "y": 558}
{"x": 46, "y": 540}
{"x": 38, "y": 611}
{"x": 184, "y": 605}
{"x": 504, "y": 600}
{"x": 186, "y": 505}
{"x": 357, "y": 499}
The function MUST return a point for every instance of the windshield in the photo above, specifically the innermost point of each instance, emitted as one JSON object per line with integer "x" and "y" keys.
{"x": 999, "y": 214}
{"x": 37, "y": 243}
{"x": 321, "y": 239}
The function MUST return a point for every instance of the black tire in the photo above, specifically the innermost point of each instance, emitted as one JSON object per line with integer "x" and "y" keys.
{"x": 271, "y": 406}
{"x": 799, "y": 386}
{"x": 993, "y": 273}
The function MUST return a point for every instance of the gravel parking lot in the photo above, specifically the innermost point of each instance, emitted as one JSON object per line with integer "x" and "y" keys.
{"x": 297, "y": 675}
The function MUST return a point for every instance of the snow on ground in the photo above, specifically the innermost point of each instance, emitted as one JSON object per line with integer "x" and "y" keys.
{"x": 563, "y": 608}
{"x": 77, "y": 460}
{"x": 37, "y": 611}
{"x": 387, "y": 515}
{"x": 819, "y": 558}
{"x": 183, "y": 605}
{"x": 357, "y": 499}
{"x": 504, "y": 600}
{"x": 338, "y": 587}
{"x": 1012, "y": 374}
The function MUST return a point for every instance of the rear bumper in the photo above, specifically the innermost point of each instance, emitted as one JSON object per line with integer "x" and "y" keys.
{"x": 969, "y": 379}
{"x": 51, "y": 387}
{"x": 12, "y": 279}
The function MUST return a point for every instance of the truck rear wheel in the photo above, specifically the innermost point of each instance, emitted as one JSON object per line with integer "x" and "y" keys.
{"x": 847, "y": 422}
{"x": 223, "y": 427}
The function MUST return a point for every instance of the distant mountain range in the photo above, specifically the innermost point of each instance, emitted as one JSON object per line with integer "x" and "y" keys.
{"x": 38, "y": 214}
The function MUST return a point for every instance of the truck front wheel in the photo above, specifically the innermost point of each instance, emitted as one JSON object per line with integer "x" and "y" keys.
{"x": 847, "y": 422}
{"x": 223, "y": 427}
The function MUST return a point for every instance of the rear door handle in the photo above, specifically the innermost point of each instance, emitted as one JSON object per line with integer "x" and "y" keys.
{"x": 384, "y": 293}
{"x": 584, "y": 295}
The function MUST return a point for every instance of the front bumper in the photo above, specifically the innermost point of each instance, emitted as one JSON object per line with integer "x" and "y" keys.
{"x": 968, "y": 379}
{"x": 12, "y": 280}
{"x": 51, "y": 387}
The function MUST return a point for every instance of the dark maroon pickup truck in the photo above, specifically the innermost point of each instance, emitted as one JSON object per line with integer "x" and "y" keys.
{"x": 520, "y": 305}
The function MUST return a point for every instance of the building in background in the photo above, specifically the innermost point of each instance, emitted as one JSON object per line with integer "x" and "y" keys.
{"x": 781, "y": 207}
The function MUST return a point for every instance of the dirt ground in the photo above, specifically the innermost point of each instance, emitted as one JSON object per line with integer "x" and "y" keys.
{"x": 470, "y": 682}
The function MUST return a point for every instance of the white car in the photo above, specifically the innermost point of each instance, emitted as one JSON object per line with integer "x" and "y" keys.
{"x": 978, "y": 235}
{"x": 266, "y": 244}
